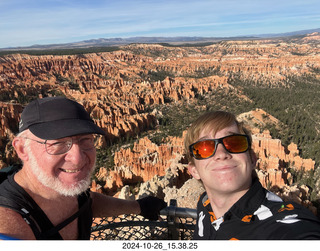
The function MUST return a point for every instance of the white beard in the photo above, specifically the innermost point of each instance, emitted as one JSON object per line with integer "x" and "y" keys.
{"x": 54, "y": 183}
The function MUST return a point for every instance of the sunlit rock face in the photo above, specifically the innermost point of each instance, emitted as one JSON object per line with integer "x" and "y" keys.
{"x": 118, "y": 88}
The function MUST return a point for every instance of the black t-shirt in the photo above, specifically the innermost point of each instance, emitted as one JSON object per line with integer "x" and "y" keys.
{"x": 16, "y": 198}
{"x": 258, "y": 215}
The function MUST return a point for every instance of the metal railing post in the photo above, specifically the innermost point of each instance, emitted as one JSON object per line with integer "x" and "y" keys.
{"x": 173, "y": 232}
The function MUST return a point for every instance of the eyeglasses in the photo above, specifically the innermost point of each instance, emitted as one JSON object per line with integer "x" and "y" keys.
{"x": 61, "y": 146}
{"x": 203, "y": 149}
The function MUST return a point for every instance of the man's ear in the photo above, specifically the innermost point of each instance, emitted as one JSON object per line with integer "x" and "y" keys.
{"x": 193, "y": 170}
{"x": 19, "y": 145}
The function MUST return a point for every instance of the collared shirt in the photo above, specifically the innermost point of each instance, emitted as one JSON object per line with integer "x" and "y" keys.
{"x": 257, "y": 215}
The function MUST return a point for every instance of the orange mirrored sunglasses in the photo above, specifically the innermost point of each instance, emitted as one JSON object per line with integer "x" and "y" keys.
{"x": 236, "y": 143}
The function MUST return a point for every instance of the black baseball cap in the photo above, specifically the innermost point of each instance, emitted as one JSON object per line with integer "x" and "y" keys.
{"x": 57, "y": 117}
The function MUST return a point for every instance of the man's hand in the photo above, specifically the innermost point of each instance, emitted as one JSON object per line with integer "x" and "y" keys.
{"x": 150, "y": 207}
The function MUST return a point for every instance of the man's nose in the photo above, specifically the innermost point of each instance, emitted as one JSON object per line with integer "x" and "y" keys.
{"x": 75, "y": 154}
{"x": 221, "y": 152}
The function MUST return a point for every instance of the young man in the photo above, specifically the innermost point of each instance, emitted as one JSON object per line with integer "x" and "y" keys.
{"x": 235, "y": 206}
{"x": 48, "y": 198}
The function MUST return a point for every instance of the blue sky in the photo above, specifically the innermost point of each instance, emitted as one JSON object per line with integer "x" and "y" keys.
{"x": 29, "y": 22}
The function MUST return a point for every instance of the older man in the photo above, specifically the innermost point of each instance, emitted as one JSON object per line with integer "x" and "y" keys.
{"x": 49, "y": 197}
{"x": 235, "y": 206}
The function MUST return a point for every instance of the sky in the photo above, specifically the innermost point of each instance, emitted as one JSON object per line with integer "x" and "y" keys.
{"x": 42, "y": 22}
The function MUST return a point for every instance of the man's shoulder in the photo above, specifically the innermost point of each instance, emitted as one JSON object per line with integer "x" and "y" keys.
{"x": 7, "y": 215}
{"x": 287, "y": 215}
{"x": 14, "y": 197}
{"x": 12, "y": 224}
{"x": 279, "y": 207}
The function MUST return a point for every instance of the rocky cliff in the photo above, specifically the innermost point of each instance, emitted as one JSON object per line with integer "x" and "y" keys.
{"x": 147, "y": 161}
{"x": 123, "y": 90}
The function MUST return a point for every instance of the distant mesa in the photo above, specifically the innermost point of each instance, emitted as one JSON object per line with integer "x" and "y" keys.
{"x": 173, "y": 40}
{"x": 128, "y": 90}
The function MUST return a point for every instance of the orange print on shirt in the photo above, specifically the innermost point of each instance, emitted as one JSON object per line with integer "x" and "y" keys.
{"x": 206, "y": 203}
{"x": 247, "y": 218}
{"x": 287, "y": 207}
{"x": 212, "y": 217}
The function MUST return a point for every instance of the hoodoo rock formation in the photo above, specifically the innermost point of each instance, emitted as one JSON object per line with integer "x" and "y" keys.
{"x": 146, "y": 161}
{"x": 122, "y": 90}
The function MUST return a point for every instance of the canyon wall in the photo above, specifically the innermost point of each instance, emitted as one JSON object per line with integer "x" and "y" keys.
{"x": 163, "y": 169}
{"x": 122, "y": 90}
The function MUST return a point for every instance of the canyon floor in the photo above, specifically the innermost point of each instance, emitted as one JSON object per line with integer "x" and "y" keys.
{"x": 145, "y": 96}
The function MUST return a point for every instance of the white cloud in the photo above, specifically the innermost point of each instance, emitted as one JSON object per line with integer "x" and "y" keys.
{"x": 27, "y": 22}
